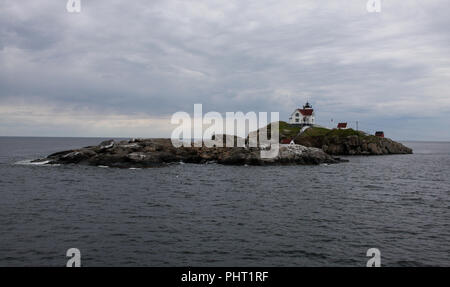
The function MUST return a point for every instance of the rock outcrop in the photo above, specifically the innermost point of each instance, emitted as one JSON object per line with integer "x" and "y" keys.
{"x": 141, "y": 153}
{"x": 336, "y": 141}
{"x": 349, "y": 142}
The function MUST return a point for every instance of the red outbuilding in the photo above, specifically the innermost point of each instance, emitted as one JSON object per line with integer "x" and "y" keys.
{"x": 342, "y": 125}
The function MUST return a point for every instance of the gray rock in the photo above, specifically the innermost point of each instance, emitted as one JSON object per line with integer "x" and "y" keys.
{"x": 107, "y": 144}
{"x": 159, "y": 152}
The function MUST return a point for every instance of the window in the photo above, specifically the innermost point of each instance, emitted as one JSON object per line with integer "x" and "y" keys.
{"x": 296, "y": 120}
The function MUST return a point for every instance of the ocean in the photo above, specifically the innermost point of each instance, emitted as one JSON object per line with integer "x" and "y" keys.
{"x": 213, "y": 215}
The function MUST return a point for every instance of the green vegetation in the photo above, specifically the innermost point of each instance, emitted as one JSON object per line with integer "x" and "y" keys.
{"x": 288, "y": 131}
{"x": 316, "y": 131}
{"x": 319, "y": 131}
{"x": 339, "y": 141}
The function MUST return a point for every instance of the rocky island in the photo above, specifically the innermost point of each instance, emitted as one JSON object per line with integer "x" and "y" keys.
{"x": 142, "y": 153}
{"x": 315, "y": 145}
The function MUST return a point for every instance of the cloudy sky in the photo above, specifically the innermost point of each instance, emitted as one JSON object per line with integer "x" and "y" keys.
{"x": 122, "y": 68}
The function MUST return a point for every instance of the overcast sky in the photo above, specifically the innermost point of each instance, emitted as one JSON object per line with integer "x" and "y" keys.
{"x": 122, "y": 68}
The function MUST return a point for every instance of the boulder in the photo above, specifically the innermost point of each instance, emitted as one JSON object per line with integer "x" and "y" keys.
{"x": 107, "y": 144}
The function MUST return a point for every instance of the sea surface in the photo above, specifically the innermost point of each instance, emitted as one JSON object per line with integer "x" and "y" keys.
{"x": 213, "y": 215}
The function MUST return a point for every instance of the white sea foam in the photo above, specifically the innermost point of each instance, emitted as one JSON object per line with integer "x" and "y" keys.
{"x": 37, "y": 163}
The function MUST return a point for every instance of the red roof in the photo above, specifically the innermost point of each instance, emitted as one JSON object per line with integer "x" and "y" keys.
{"x": 306, "y": 112}
{"x": 286, "y": 141}
{"x": 342, "y": 125}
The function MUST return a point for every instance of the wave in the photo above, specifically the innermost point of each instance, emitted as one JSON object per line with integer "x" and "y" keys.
{"x": 35, "y": 163}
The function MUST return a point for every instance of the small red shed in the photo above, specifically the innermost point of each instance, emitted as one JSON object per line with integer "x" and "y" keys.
{"x": 342, "y": 125}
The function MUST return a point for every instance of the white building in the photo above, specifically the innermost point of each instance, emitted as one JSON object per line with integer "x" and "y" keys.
{"x": 304, "y": 117}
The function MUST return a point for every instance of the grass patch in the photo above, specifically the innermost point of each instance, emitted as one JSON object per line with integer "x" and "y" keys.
{"x": 316, "y": 131}
{"x": 319, "y": 131}
{"x": 288, "y": 131}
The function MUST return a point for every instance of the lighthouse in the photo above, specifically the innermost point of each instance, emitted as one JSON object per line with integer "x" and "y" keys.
{"x": 303, "y": 117}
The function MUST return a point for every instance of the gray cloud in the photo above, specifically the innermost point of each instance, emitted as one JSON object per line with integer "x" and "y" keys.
{"x": 388, "y": 70}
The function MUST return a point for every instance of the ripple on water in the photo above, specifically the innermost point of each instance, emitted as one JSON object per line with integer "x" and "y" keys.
{"x": 214, "y": 215}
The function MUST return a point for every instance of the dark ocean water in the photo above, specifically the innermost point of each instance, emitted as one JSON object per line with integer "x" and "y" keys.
{"x": 213, "y": 215}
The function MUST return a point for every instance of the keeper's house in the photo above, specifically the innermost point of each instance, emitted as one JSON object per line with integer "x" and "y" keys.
{"x": 303, "y": 117}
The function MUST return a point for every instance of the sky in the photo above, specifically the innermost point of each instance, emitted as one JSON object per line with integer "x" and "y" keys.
{"x": 123, "y": 68}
